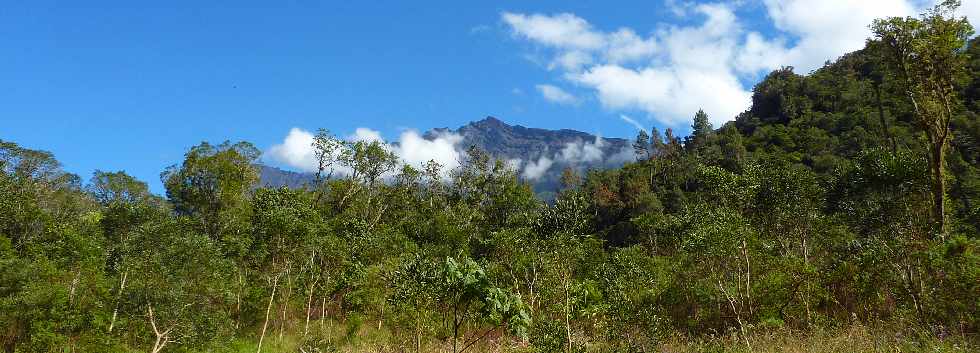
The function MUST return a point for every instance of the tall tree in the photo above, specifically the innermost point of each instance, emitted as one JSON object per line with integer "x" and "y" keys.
{"x": 326, "y": 150}
{"x": 117, "y": 187}
{"x": 212, "y": 184}
{"x": 657, "y": 144}
{"x": 926, "y": 54}
{"x": 641, "y": 146}
{"x": 701, "y": 131}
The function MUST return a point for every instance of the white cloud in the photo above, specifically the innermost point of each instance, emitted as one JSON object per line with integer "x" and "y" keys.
{"x": 366, "y": 135}
{"x": 563, "y": 30}
{"x": 670, "y": 94}
{"x": 571, "y": 60}
{"x": 625, "y": 46}
{"x": 414, "y": 150}
{"x": 828, "y": 29}
{"x": 582, "y": 152}
{"x": 626, "y": 154}
{"x": 678, "y": 69}
{"x": 630, "y": 121}
{"x": 296, "y": 150}
{"x": 556, "y": 94}
{"x": 534, "y": 170}
{"x": 669, "y": 75}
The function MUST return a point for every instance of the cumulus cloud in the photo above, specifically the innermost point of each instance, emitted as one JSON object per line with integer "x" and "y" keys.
{"x": 582, "y": 152}
{"x": 534, "y": 170}
{"x": 563, "y": 30}
{"x": 364, "y": 134}
{"x": 296, "y": 150}
{"x": 710, "y": 64}
{"x": 556, "y": 94}
{"x": 414, "y": 150}
{"x": 828, "y": 29}
{"x": 670, "y": 74}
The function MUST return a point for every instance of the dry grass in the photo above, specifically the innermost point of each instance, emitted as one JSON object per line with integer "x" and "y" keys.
{"x": 856, "y": 338}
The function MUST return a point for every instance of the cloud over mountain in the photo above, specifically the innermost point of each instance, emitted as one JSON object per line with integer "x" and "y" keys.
{"x": 675, "y": 70}
{"x": 296, "y": 149}
{"x": 537, "y": 155}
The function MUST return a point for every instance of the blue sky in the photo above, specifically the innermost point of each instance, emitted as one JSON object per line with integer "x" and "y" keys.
{"x": 124, "y": 85}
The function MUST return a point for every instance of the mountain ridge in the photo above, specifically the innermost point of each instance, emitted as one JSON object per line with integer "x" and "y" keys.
{"x": 538, "y": 154}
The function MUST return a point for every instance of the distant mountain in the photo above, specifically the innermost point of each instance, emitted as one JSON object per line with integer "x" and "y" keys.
{"x": 540, "y": 155}
{"x": 515, "y": 141}
{"x": 275, "y": 177}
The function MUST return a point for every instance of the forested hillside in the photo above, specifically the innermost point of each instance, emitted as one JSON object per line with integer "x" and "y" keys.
{"x": 839, "y": 213}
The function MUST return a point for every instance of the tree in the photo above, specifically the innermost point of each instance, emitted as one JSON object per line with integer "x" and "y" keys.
{"x": 283, "y": 223}
{"x": 732, "y": 150}
{"x": 413, "y": 281}
{"x": 211, "y": 186}
{"x": 641, "y": 146}
{"x": 127, "y": 206}
{"x": 326, "y": 150}
{"x": 657, "y": 144}
{"x": 117, "y": 187}
{"x": 703, "y": 142}
{"x": 926, "y": 54}
{"x": 701, "y": 132}
{"x": 179, "y": 285}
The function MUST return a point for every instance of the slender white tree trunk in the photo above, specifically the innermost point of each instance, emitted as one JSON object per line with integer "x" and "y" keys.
{"x": 285, "y": 302}
{"x": 309, "y": 307}
{"x": 268, "y": 310}
{"x": 115, "y": 311}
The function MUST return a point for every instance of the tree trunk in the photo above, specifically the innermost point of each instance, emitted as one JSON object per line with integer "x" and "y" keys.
{"x": 309, "y": 307}
{"x": 418, "y": 330}
{"x": 268, "y": 310}
{"x": 162, "y": 338}
{"x": 159, "y": 344}
{"x": 285, "y": 302}
{"x": 884, "y": 124}
{"x": 455, "y": 325}
{"x": 568, "y": 314}
{"x": 238, "y": 301}
{"x": 937, "y": 162}
{"x": 115, "y": 311}
{"x": 738, "y": 315}
{"x": 381, "y": 316}
{"x": 323, "y": 312}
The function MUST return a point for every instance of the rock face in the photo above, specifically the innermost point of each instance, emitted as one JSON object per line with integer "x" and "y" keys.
{"x": 540, "y": 155}
{"x": 275, "y": 177}
{"x": 514, "y": 141}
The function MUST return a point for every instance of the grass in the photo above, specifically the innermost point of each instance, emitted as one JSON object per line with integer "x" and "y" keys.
{"x": 369, "y": 338}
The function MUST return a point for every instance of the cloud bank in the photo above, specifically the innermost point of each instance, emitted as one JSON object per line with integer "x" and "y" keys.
{"x": 675, "y": 70}
{"x": 296, "y": 151}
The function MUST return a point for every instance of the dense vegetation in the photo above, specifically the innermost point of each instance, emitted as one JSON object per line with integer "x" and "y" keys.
{"x": 838, "y": 203}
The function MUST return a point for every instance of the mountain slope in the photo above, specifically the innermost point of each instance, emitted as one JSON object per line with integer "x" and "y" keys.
{"x": 539, "y": 155}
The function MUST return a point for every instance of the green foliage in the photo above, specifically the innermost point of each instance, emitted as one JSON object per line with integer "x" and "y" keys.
{"x": 805, "y": 223}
